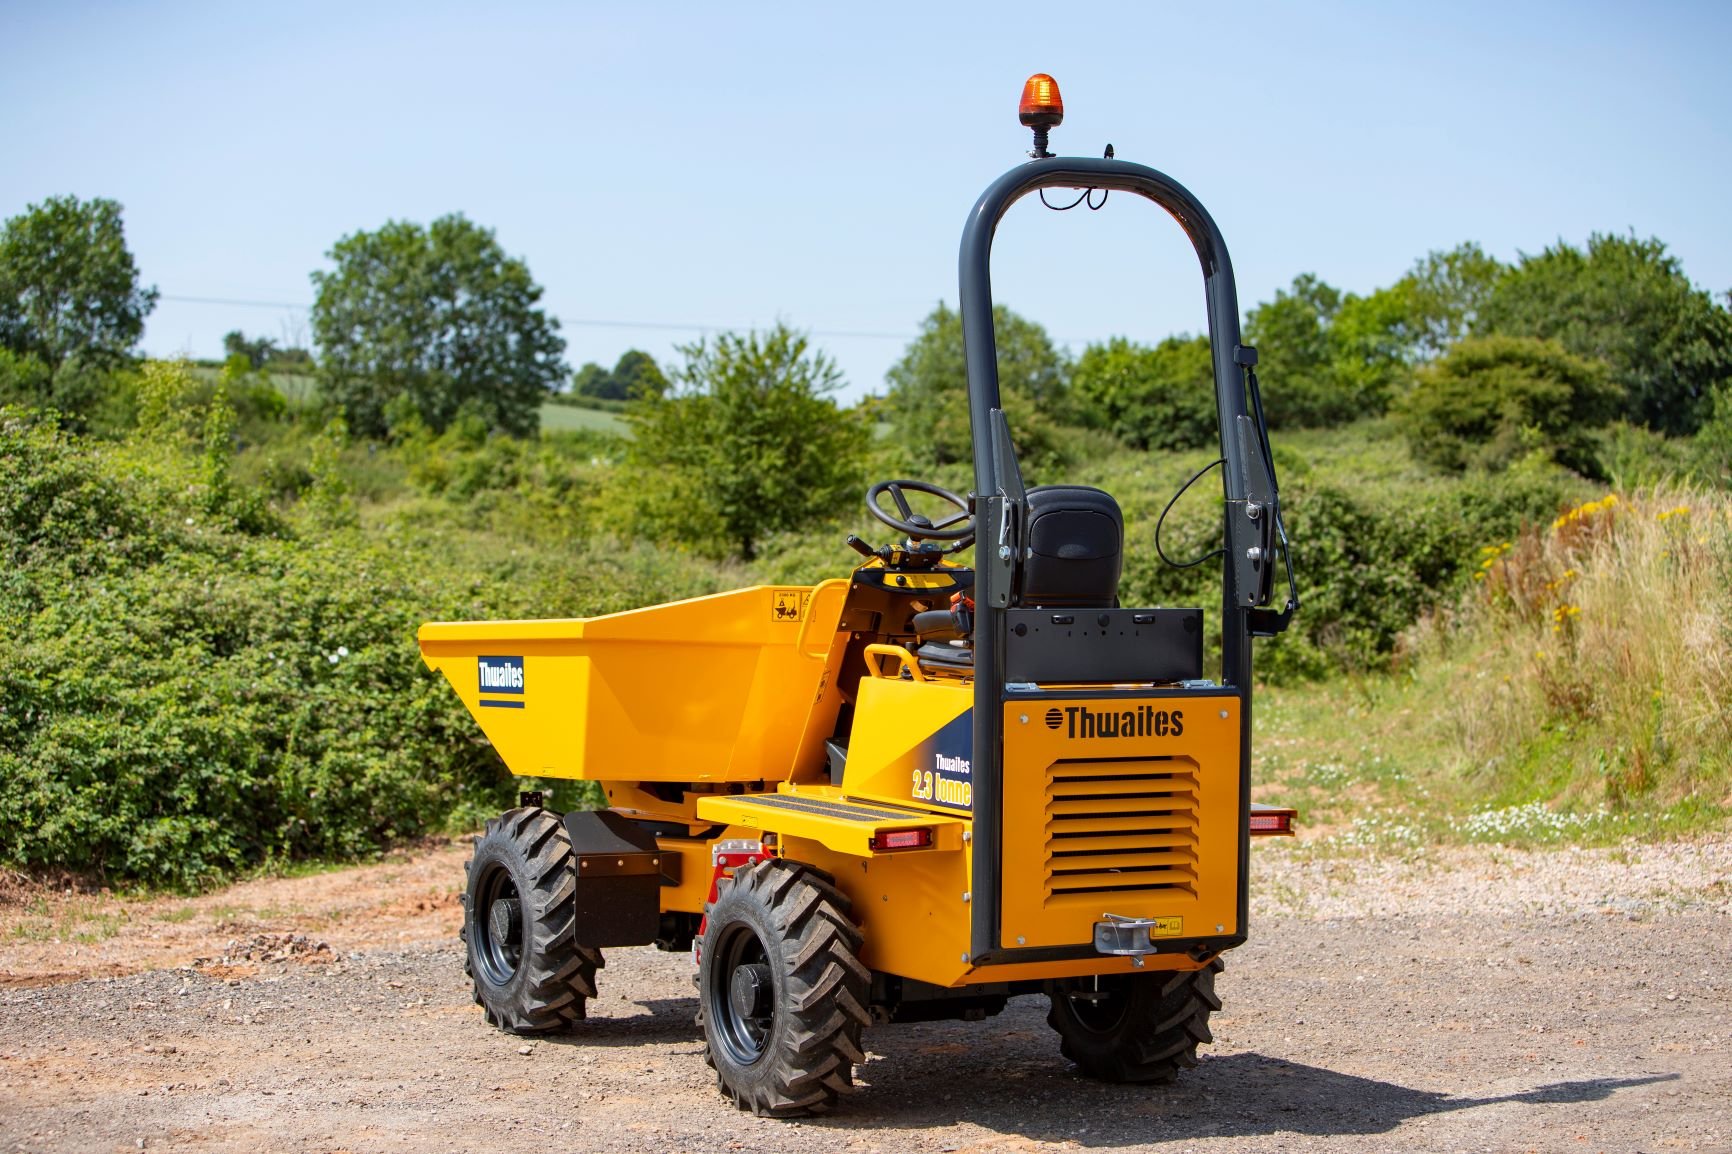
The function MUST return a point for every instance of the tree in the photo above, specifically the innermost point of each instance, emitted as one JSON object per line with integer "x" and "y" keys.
{"x": 1296, "y": 355}
{"x": 635, "y": 372}
{"x": 928, "y": 397}
{"x": 69, "y": 290}
{"x": 591, "y": 380}
{"x": 1152, "y": 398}
{"x": 748, "y": 442}
{"x": 1372, "y": 350}
{"x": 434, "y": 321}
{"x": 259, "y": 351}
{"x": 1329, "y": 357}
{"x": 1627, "y": 303}
{"x": 1490, "y": 400}
{"x": 1445, "y": 292}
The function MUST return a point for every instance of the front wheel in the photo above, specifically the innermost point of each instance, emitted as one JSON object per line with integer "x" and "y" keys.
{"x": 529, "y": 974}
{"x": 781, "y": 990}
{"x": 1134, "y": 1027}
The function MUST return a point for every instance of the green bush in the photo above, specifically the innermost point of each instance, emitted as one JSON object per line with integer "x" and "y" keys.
{"x": 752, "y": 442}
{"x": 1151, "y": 398}
{"x": 1711, "y": 451}
{"x": 181, "y": 699}
{"x": 1492, "y": 400}
{"x": 1371, "y": 553}
{"x": 927, "y": 403}
{"x": 1295, "y": 342}
{"x": 1636, "y": 457}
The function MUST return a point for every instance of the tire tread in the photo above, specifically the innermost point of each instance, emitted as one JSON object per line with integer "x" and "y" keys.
{"x": 558, "y": 975}
{"x": 810, "y": 1062}
{"x": 1160, "y": 1039}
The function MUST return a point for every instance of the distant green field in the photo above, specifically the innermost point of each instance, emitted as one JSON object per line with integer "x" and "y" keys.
{"x": 303, "y": 389}
{"x": 567, "y": 418}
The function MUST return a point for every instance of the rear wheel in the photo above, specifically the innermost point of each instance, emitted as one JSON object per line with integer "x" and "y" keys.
{"x": 781, "y": 990}
{"x": 1134, "y": 1027}
{"x": 529, "y": 975}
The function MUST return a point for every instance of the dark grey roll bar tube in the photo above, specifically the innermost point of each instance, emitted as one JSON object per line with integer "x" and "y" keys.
{"x": 1249, "y": 490}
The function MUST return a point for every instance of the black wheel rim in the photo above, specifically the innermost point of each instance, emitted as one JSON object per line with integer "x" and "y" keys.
{"x": 496, "y": 926}
{"x": 742, "y": 1025}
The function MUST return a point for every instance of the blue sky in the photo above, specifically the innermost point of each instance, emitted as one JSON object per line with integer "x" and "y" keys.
{"x": 731, "y": 164}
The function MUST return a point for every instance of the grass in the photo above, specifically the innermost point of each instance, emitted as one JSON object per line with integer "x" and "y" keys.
{"x": 570, "y": 418}
{"x": 1384, "y": 763}
{"x": 1574, "y": 693}
{"x": 83, "y": 921}
{"x": 301, "y": 391}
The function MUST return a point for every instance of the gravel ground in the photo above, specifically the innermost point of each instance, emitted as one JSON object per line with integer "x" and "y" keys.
{"x": 1474, "y": 1000}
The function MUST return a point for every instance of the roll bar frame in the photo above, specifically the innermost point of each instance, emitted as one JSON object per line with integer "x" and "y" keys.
{"x": 999, "y": 499}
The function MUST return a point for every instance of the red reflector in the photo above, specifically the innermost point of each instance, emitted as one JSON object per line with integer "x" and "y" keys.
{"x": 1271, "y": 822}
{"x": 903, "y": 839}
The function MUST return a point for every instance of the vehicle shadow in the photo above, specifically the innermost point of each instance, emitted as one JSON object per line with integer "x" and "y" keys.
{"x": 668, "y": 1021}
{"x": 1010, "y": 1078}
{"x": 1237, "y": 1095}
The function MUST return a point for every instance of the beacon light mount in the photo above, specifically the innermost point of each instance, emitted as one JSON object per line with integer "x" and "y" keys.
{"x": 1042, "y": 109}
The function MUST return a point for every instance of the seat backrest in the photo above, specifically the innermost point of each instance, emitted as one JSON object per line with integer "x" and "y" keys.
{"x": 1075, "y": 548}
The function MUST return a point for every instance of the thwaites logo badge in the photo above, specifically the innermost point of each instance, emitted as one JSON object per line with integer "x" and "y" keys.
{"x": 1143, "y": 721}
{"x": 500, "y": 675}
{"x": 944, "y": 765}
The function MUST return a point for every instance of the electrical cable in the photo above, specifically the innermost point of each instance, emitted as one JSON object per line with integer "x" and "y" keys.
{"x": 1163, "y": 520}
{"x": 1085, "y": 197}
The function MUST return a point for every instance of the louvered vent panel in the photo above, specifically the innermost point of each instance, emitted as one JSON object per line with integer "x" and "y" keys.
{"x": 1121, "y": 826}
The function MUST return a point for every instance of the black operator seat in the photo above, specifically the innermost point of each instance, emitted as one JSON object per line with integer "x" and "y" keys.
{"x": 1073, "y": 561}
{"x": 1075, "y": 549}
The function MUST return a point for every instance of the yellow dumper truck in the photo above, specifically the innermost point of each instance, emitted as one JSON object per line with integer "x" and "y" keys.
{"x": 913, "y": 792}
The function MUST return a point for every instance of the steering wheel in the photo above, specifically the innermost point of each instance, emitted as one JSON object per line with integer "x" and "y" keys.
{"x": 959, "y": 526}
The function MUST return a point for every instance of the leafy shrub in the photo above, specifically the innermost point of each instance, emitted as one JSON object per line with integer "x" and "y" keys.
{"x": 1330, "y": 358}
{"x": 1370, "y": 559}
{"x": 1494, "y": 399}
{"x": 551, "y": 489}
{"x": 1636, "y": 457}
{"x": 181, "y": 699}
{"x": 751, "y": 443}
{"x": 1151, "y": 398}
{"x": 1711, "y": 452}
{"x": 1303, "y": 386}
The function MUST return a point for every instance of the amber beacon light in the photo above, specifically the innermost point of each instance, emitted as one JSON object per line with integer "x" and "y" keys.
{"x": 1042, "y": 109}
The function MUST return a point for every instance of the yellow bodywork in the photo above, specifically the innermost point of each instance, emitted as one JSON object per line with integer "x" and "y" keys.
{"x": 733, "y": 696}
{"x": 710, "y": 689}
{"x": 1139, "y": 824}
{"x": 889, "y": 761}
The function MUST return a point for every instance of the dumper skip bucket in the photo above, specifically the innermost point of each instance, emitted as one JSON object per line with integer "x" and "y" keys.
{"x": 714, "y": 689}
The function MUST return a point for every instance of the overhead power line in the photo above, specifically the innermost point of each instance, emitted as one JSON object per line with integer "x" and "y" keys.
{"x": 239, "y": 303}
{"x": 575, "y": 322}
{"x": 594, "y": 323}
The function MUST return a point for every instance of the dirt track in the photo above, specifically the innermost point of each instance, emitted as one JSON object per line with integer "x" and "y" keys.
{"x": 1508, "y": 1002}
